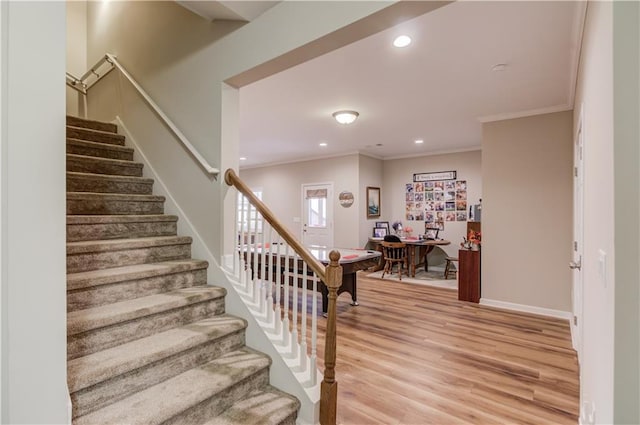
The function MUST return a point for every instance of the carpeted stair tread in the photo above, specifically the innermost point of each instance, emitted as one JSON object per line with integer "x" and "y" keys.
{"x": 108, "y": 183}
{"x": 119, "y": 226}
{"x": 94, "y": 164}
{"x": 86, "y": 371}
{"x": 167, "y": 400}
{"x": 84, "y": 247}
{"x": 133, "y": 218}
{"x": 98, "y": 317}
{"x": 114, "y": 197}
{"x": 98, "y": 136}
{"x": 262, "y": 407}
{"x": 86, "y": 123}
{"x": 83, "y": 256}
{"x": 97, "y": 149}
{"x": 87, "y": 203}
{"x": 94, "y": 278}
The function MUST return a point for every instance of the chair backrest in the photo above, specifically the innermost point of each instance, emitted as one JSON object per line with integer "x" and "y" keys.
{"x": 392, "y": 238}
{"x": 394, "y": 250}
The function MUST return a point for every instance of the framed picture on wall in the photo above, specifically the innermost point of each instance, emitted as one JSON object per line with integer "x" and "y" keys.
{"x": 373, "y": 202}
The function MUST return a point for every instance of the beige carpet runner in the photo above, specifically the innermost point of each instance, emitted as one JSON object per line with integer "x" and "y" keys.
{"x": 148, "y": 340}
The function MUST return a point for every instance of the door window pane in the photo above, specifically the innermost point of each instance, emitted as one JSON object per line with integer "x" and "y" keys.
{"x": 317, "y": 212}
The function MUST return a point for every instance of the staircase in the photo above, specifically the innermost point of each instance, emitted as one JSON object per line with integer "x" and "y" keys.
{"x": 148, "y": 341}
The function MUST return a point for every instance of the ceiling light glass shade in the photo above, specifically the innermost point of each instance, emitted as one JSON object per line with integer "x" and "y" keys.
{"x": 345, "y": 117}
{"x": 402, "y": 41}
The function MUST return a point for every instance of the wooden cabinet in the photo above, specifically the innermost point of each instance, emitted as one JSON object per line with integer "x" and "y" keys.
{"x": 469, "y": 275}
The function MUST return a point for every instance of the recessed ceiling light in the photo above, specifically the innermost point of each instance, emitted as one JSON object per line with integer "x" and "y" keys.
{"x": 499, "y": 67}
{"x": 242, "y": 158}
{"x": 418, "y": 142}
{"x": 323, "y": 144}
{"x": 402, "y": 41}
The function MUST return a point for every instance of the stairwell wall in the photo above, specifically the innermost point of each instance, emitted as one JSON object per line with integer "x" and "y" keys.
{"x": 32, "y": 194}
{"x": 182, "y": 61}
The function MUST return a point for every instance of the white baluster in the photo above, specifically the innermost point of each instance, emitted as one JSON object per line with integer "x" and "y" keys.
{"x": 236, "y": 235}
{"x": 269, "y": 287}
{"x": 257, "y": 284}
{"x": 303, "y": 321}
{"x": 313, "y": 367}
{"x": 254, "y": 253}
{"x": 286, "y": 333}
{"x": 294, "y": 297}
{"x": 278, "y": 313}
{"x": 242, "y": 242}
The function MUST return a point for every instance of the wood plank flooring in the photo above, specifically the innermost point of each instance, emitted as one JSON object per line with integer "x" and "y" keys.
{"x": 413, "y": 354}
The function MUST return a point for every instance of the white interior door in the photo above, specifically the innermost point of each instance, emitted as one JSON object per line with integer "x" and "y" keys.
{"x": 578, "y": 245}
{"x": 317, "y": 214}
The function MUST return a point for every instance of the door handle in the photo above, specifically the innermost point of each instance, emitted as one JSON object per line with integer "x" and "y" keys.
{"x": 575, "y": 264}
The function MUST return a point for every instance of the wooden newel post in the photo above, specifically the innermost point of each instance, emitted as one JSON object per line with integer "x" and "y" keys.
{"x": 329, "y": 386}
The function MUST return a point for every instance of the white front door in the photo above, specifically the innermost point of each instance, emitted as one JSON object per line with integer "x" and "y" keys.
{"x": 578, "y": 226}
{"x": 317, "y": 214}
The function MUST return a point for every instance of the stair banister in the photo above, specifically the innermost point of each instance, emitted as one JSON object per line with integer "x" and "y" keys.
{"x": 74, "y": 82}
{"x": 331, "y": 275}
{"x": 232, "y": 179}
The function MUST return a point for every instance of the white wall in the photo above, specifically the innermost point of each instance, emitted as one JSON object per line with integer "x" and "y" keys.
{"x": 370, "y": 174}
{"x": 527, "y": 168}
{"x": 76, "y": 52}
{"x": 594, "y": 91}
{"x": 398, "y": 172}
{"x": 33, "y": 214}
{"x": 626, "y": 108}
{"x": 282, "y": 192}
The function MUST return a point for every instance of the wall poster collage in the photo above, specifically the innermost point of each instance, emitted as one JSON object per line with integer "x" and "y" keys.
{"x": 436, "y": 201}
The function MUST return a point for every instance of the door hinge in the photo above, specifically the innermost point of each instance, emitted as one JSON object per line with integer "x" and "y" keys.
{"x": 575, "y": 320}
{"x": 575, "y": 246}
{"x": 575, "y": 171}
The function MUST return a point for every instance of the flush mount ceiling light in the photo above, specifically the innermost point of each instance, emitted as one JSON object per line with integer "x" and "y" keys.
{"x": 345, "y": 117}
{"x": 402, "y": 41}
{"x": 418, "y": 142}
{"x": 323, "y": 144}
{"x": 242, "y": 158}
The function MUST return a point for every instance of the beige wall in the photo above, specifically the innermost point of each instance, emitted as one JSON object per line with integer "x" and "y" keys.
{"x": 282, "y": 192}
{"x": 76, "y": 52}
{"x": 527, "y": 211}
{"x": 398, "y": 172}
{"x": 371, "y": 174}
{"x": 181, "y": 60}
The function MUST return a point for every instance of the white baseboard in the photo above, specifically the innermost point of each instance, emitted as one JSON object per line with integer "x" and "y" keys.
{"x": 526, "y": 308}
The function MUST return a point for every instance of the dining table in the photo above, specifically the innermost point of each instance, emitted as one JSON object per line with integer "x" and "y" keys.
{"x": 418, "y": 251}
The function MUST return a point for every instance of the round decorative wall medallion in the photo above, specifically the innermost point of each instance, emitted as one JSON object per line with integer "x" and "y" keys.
{"x": 346, "y": 198}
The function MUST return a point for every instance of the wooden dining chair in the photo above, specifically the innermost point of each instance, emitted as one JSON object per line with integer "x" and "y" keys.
{"x": 394, "y": 253}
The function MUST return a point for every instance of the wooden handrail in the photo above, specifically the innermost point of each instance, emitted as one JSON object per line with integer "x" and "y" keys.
{"x": 232, "y": 179}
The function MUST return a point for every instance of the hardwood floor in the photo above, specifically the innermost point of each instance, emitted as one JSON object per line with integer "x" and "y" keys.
{"x": 413, "y": 354}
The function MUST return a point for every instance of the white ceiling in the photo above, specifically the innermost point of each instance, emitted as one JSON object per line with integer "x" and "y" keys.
{"x": 439, "y": 89}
